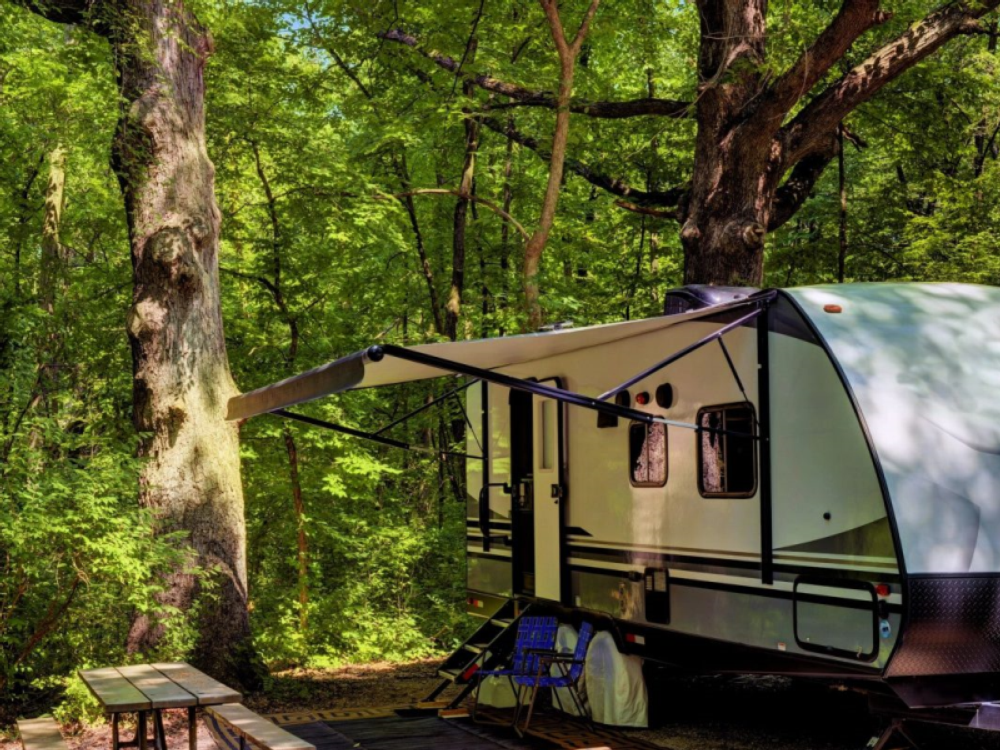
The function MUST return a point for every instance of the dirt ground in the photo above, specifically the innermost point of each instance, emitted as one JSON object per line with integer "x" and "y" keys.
{"x": 687, "y": 712}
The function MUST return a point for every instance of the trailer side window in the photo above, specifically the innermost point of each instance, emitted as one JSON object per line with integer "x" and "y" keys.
{"x": 728, "y": 460}
{"x": 647, "y": 447}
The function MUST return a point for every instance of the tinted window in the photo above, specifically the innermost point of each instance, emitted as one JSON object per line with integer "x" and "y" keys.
{"x": 728, "y": 460}
{"x": 647, "y": 446}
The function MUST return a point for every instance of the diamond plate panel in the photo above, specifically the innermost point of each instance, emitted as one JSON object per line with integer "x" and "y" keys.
{"x": 952, "y": 627}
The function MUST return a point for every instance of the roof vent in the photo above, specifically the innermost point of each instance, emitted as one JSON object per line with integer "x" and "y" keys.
{"x": 697, "y": 296}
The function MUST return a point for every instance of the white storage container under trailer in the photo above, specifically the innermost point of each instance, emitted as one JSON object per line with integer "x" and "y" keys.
{"x": 801, "y": 481}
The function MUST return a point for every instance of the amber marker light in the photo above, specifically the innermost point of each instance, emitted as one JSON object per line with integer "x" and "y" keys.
{"x": 833, "y": 308}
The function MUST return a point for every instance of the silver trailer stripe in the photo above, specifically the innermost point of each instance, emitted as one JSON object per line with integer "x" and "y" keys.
{"x": 735, "y": 581}
{"x": 602, "y": 565}
{"x": 825, "y": 565}
{"x": 832, "y": 562}
{"x": 582, "y": 541}
{"x": 832, "y": 556}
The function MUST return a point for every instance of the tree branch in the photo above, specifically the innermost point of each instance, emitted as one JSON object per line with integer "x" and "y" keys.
{"x": 262, "y": 280}
{"x": 348, "y": 71}
{"x": 613, "y": 185}
{"x": 465, "y": 196}
{"x": 645, "y": 211}
{"x": 807, "y": 131}
{"x": 854, "y": 19}
{"x": 528, "y": 98}
{"x": 788, "y": 198}
{"x": 581, "y": 34}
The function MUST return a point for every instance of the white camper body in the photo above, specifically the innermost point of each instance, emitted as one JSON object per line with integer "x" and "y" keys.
{"x": 810, "y": 488}
{"x": 580, "y": 529}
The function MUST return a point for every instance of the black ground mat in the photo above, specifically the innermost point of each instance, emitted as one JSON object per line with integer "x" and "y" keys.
{"x": 404, "y": 733}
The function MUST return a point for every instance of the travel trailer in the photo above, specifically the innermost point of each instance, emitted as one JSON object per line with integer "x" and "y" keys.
{"x": 801, "y": 481}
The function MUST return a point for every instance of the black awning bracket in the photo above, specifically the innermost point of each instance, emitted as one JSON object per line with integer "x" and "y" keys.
{"x": 468, "y": 422}
{"x": 390, "y": 442}
{"x": 739, "y": 381}
{"x": 424, "y": 407}
{"x": 690, "y": 348}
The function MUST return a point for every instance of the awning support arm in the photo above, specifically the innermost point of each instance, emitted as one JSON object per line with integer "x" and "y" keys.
{"x": 424, "y": 407}
{"x": 716, "y": 335}
{"x": 368, "y": 435}
{"x": 465, "y": 416}
{"x": 739, "y": 381}
{"x": 379, "y": 352}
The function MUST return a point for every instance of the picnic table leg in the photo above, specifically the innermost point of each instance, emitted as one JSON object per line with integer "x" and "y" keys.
{"x": 192, "y": 728}
{"x": 114, "y": 732}
{"x": 142, "y": 731}
{"x": 161, "y": 736}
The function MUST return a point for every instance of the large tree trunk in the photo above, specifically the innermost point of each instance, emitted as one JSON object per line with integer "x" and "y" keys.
{"x": 723, "y": 235}
{"x": 191, "y": 475}
{"x": 731, "y": 191}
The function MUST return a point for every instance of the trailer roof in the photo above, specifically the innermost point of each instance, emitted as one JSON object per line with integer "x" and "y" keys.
{"x": 923, "y": 363}
{"x": 358, "y": 370}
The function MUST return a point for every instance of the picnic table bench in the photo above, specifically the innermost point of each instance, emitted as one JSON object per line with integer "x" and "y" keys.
{"x": 150, "y": 688}
{"x": 42, "y": 733}
{"x": 249, "y": 726}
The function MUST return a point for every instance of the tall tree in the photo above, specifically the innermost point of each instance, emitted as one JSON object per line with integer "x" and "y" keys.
{"x": 191, "y": 473}
{"x": 568, "y": 51}
{"x": 766, "y": 129}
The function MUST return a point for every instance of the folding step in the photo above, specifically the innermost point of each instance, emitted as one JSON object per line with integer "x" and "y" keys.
{"x": 486, "y": 647}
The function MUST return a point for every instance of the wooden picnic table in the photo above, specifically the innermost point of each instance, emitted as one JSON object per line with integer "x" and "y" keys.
{"x": 149, "y": 688}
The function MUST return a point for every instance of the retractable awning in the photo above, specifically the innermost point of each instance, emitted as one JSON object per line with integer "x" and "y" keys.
{"x": 367, "y": 368}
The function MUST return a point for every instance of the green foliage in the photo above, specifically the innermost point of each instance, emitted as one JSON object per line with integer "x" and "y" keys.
{"x": 77, "y": 557}
{"x": 314, "y": 124}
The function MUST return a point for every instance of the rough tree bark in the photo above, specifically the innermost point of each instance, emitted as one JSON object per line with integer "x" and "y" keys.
{"x": 191, "y": 473}
{"x": 763, "y": 138}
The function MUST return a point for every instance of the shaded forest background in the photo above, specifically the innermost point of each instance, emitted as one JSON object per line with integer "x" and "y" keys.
{"x": 345, "y": 164}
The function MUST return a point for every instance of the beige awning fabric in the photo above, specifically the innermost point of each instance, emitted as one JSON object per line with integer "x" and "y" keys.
{"x": 358, "y": 370}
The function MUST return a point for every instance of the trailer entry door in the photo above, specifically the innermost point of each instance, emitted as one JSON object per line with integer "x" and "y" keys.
{"x": 549, "y": 497}
{"x": 537, "y": 494}
{"x": 522, "y": 491}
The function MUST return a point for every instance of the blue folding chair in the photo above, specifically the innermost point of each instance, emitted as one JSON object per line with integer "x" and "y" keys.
{"x": 535, "y": 636}
{"x": 570, "y": 667}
